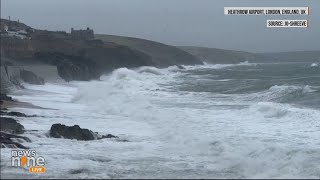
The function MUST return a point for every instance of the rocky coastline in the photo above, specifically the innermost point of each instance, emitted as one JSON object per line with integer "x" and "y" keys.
{"x": 40, "y": 56}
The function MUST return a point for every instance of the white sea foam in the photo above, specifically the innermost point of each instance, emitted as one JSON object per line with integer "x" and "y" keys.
{"x": 219, "y": 66}
{"x": 314, "y": 65}
{"x": 172, "y": 134}
{"x": 277, "y": 92}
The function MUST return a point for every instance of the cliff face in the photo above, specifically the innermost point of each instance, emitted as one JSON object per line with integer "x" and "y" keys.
{"x": 75, "y": 59}
{"x": 10, "y": 77}
{"x": 16, "y": 48}
{"x": 80, "y": 59}
{"x": 70, "y": 67}
{"x": 13, "y": 75}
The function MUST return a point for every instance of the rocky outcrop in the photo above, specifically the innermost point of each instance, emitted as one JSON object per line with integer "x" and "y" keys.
{"x": 75, "y": 132}
{"x": 10, "y": 125}
{"x": 108, "y": 136}
{"x": 14, "y": 113}
{"x": 75, "y": 59}
{"x": 71, "y": 67}
{"x": 9, "y": 141}
{"x": 13, "y": 73}
{"x": 81, "y": 59}
{"x": 71, "y": 132}
{"x": 5, "y": 97}
{"x": 10, "y": 77}
{"x": 31, "y": 78}
{"x": 15, "y": 48}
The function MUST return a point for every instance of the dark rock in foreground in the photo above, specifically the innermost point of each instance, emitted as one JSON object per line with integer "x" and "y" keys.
{"x": 71, "y": 132}
{"x": 31, "y": 78}
{"x": 8, "y": 141}
{"x": 11, "y": 125}
{"x": 75, "y": 132}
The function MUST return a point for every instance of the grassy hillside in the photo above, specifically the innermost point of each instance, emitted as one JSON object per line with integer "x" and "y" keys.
{"x": 162, "y": 55}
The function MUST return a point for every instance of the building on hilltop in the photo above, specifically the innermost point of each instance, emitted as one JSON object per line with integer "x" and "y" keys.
{"x": 82, "y": 34}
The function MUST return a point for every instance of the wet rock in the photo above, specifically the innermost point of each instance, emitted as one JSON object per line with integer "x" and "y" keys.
{"x": 122, "y": 140}
{"x": 14, "y": 113}
{"x": 75, "y": 132}
{"x": 8, "y": 135}
{"x": 108, "y": 136}
{"x": 5, "y": 97}
{"x": 9, "y": 140}
{"x": 71, "y": 132}
{"x": 11, "y": 125}
{"x": 31, "y": 78}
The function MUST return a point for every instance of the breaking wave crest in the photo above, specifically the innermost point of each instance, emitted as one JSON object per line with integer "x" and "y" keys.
{"x": 283, "y": 93}
{"x": 314, "y": 65}
{"x": 183, "y": 133}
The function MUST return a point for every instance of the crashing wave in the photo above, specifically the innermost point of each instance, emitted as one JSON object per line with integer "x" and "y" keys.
{"x": 314, "y": 65}
{"x": 281, "y": 93}
{"x": 148, "y": 69}
{"x": 270, "y": 110}
{"x": 123, "y": 73}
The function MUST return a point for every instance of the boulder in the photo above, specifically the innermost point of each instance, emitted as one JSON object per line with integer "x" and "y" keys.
{"x": 71, "y": 132}
{"x": 11, "y": 125}
{"x": 75, "y": 132}
{"x": 31, "y": 78}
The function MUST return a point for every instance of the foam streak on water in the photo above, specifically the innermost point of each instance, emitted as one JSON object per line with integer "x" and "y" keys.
{"x": 179, "y": 125}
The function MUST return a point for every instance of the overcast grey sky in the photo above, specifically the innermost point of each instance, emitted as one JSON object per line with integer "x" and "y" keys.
{"x": 174, "y": 22}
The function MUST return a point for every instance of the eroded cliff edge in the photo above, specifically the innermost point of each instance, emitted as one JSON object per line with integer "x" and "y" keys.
{"x": 74, "y": 58}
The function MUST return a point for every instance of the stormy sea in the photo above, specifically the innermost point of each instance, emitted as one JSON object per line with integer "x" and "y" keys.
{"x": 211, "y": 121}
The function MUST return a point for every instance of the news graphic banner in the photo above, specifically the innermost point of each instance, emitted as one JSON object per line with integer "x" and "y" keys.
{"x": 28, "y": 159}
{"x": 275, "y": 11}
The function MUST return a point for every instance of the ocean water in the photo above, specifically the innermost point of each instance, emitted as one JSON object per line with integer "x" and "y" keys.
{"x": 211, "y": 121}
